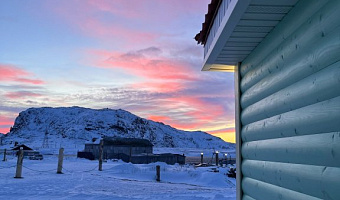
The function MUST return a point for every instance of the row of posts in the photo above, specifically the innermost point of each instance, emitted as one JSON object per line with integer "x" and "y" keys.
{"x": 18, "y": 173}
{"x": 216, "y": 156}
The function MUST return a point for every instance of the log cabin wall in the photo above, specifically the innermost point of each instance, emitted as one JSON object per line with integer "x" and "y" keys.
{"x": 290, "y": 108}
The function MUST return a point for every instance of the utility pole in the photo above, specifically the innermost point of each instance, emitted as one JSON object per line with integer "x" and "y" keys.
{"x": 45, "y": 141}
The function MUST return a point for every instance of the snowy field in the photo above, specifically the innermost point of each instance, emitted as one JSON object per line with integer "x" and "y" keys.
{"x": 118, "y": 180}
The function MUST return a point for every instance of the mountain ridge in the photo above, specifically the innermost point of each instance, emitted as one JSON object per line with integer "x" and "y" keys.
{"x": 67, "y": 126}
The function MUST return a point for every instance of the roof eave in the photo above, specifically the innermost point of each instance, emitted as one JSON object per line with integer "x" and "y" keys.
{"x": 233, "y": 15}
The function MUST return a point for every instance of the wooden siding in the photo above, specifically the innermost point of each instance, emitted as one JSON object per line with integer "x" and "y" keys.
{"x": 290, "y": 107}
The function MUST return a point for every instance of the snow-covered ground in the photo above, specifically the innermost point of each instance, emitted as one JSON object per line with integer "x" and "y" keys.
{"x": 118, "y": 180}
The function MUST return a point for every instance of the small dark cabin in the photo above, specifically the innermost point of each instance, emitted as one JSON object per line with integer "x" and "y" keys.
{"x": 115, "y": 147}
{"x": 137, "y": 151}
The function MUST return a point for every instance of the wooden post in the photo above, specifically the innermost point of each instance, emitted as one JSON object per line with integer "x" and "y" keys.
{"x": 158, "y": 173}
{"x": 201, "y": 158}
{"x": 18, "y": 172}
{"x": 216, "y": 153}
{"x": 5, "y": 155}
{"x": 101, "y": 144}
{"x": 60, "y": 161}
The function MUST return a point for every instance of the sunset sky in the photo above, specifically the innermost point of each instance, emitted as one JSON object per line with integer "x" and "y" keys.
{"x": 137, "y": 55}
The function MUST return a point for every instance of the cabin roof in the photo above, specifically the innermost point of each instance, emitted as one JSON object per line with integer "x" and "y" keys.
{"x": 127, "y": 141}
{"x": 24, "y": 147}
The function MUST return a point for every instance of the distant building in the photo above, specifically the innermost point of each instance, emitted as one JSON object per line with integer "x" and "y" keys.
{"x": 28, "y": 152}
{"x": 24, "y": 147}
{"x": 114, "y": 146}
{"x": 138, "y": 151}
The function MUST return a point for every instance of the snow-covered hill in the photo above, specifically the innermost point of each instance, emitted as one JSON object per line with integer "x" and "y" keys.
{"x": 72, "y": 126}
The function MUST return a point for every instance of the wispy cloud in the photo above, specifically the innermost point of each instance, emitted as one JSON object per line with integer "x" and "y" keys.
{"x": 21, "y": 94}
{"x": 146, "y": 63}
{"x": 15, "y": 74}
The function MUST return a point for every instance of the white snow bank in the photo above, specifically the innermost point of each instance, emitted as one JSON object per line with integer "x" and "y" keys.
{"x": 118, "y": 180}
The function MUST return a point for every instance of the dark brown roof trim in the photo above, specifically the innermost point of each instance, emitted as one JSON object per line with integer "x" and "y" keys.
{"x": 202, "y": 36}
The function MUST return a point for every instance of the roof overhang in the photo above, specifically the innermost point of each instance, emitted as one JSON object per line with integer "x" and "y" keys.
{"x": 238, "y": 27}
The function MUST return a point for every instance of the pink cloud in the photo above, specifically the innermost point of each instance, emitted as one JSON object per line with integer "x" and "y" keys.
{"x": 21, "y": 94}
{"x": 161, "y": 87}
{"x": 203, "y": 111}
{"x": 99, "y": 29}
{"x": 158, "y": 118}
{"x": 130, "y": 23}
{"x": 8, "y": 72}
{"x": 6, "y": 121}
{"x": 103, "y": 20}
{"x": 5, "y": 124}
{"x": 4, "y": 130}
{"x": 159, "y": 68}
{"x": 147, "y": 10}
{"x": 12, "y": 73}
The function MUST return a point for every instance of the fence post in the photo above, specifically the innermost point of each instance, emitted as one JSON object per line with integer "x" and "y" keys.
{"x": 202, "y": 158}
{"x": 158, "y": 173}
{"x": 18, "y": 172}
{"x": 60, "y": 161}
{"x": 5, "y": 155}
{"x": 100, "y": 168}
{"x": 216, "y": 158}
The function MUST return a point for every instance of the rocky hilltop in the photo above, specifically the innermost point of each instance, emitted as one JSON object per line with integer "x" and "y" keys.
{"x": 71, "y": 126}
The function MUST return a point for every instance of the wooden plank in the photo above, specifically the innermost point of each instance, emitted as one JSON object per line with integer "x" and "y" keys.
{"x": 319, "y": 149}
{"x": 239, "y": 48}
{"x": 292, "y": 21}
{"x": 245, "y": 39}
{"x": 229, "y": 61}
{"x": 316, "y": 181}
{"x": 274, "y": 3}
{"x": 234, "y": 52}
{"x": 268, "y": 23}
{"x": 241, "y": 44}
{"x": 322, "y": 117}
{"x": 240, "y": 56}
{"x": 258, "y": 29}
{"x": 263, "y": 16}
{"x": 232, "y": 58}
{"x": 265, "y": 191}
{"x": 248, "y": 34}
{"x": 268, "y": 9}
{"x": 287, "y": 70}
{"x": 320, "y": 86}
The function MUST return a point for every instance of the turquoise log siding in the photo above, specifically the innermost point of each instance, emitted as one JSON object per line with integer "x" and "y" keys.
{"x": 287, "y": 26}
{"x": 290, "y": 108}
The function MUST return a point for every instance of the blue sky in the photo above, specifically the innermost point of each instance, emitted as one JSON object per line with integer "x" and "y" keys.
{"x": 135, "y": 55}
